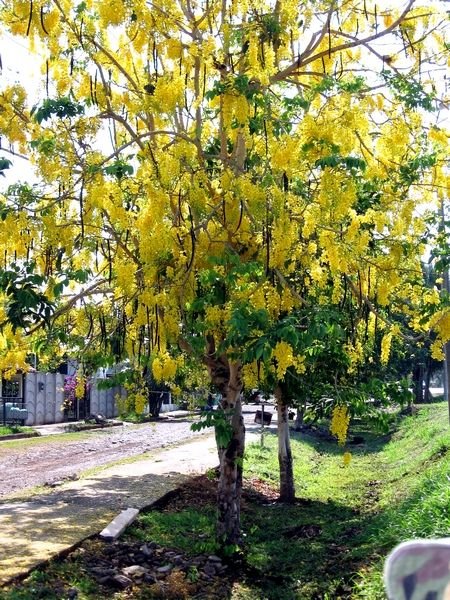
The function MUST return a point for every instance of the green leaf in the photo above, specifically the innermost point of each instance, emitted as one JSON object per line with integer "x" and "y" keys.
{"x": 44, "y": 145}
{"x": 80, "y": 8}
{"x": 217, "y": 89}
{"x": 4, "y": 164}
{"x": 80, "y": 275}
{"x": 119, "y": 169}
{"x": 409, "y": 91}
{"x": 58, "y": 288}
{"x": 60, "y": 107}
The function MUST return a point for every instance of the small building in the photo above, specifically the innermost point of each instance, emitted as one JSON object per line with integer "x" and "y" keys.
{"x": 42, "y": 399}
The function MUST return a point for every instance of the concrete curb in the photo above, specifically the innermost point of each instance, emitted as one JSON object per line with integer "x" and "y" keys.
{"x": 79, "y": 429}
{"x": 18, "y": 436}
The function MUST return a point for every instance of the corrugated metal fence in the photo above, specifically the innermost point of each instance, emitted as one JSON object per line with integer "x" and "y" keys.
{"x": 38, "y": 399}
{"x": 44, "y": 398}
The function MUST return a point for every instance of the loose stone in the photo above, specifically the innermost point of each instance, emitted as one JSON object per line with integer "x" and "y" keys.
{"x": 134, "y": 571}
{"x": 121, "y": 581}
{"x": 209, "y": 570}
{"x": 214, "y": 558}
{"x": 164, "y": 569}
{"x": 146, "y": 550}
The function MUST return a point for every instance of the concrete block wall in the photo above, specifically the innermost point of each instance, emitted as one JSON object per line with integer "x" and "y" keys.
{"x": 44, "y": 395}
{"x": 168, "y": 407}
{"x": 103, "y": 401}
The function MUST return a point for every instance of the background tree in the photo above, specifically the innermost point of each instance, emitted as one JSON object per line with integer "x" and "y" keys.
{"x": 206, "y": 167}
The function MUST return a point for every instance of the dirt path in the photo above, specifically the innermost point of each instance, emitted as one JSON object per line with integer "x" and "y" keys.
{"x": 45, "y": 525}
{"x": 45, "y": 461}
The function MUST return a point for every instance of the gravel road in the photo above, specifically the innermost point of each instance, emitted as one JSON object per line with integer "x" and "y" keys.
{"x": 45, "y": 461}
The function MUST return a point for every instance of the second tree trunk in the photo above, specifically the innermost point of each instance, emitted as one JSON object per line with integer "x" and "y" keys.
{"x": 287, "y": 488}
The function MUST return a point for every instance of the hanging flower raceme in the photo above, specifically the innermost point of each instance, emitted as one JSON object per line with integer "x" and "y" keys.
{"x": 137, "y": 395}
{"x": 283, "y": 355}
{"x": 339, "y": 423}
{"x": 80, "y": 386}
{"x": 164, "y": 367}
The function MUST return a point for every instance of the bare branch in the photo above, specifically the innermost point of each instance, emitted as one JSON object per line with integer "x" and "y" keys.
{"x": 303, "y": 60}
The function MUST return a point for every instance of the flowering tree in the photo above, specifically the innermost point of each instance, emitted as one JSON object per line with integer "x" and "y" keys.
{"x": 74, "y": 389}
{"x": 203, "y": 168}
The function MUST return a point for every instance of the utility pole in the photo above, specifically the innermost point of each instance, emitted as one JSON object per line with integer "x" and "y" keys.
{"x": 446, "y": 290}
{"x": 446, "y": 287}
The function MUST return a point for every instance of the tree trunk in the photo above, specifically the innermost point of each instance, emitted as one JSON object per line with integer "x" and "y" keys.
{"x": 300, "y": 416}
{"x": 427, "y": 380}
{"x": 226, "y": 376}
{"x": 231, "y": 460}
{"x": 418, "y": 383}
{"x": 287, "y": 488}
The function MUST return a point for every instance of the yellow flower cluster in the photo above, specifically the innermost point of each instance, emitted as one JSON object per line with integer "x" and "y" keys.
{"x": 140, "y": 401}
{"x": 250, "y": 375}
{"x": 437, "y": 351}
{"x": 394, "y": 139}
{"x": 284, "y": 358}
{"x": 284, "y": 239}
{"x": 137, "y": 397}
{"x": 383, "y": 293}
{"x": 168, "y": 93}
{"x": 13, "y": 361}
{"x": 355, "y": 353}
{"x": 176, "y": 390}
{"x": 214, "y": 316}
{"x": 283, "y": 355}
{"x": 386, "y": 348}
{"x": 284, "y": 153}
{"x": 164, "y": 367}
{"x": 111, "y": 13}
{"x": 125, "y": 272}
{"x": 339, "y": 423}
{"x": 13, "y": 353}
{"x": 12, "y": 101}
{"x": 80, "y": 386}
{"x": 440, "y": 323}
{"x": 431, "y": 297}
{"x": 174, "y": 49}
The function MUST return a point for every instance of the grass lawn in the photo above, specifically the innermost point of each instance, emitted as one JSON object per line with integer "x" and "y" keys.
{"x": 329, "y": 545}
{"x": 333, "y": 544}
{"x": 10, "y": 429}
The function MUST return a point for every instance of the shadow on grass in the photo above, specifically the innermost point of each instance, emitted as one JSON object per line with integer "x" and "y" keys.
{"x": 316, "y": 550}
{"x": 360, "y": 441}
{"x": 299, "y": 551}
